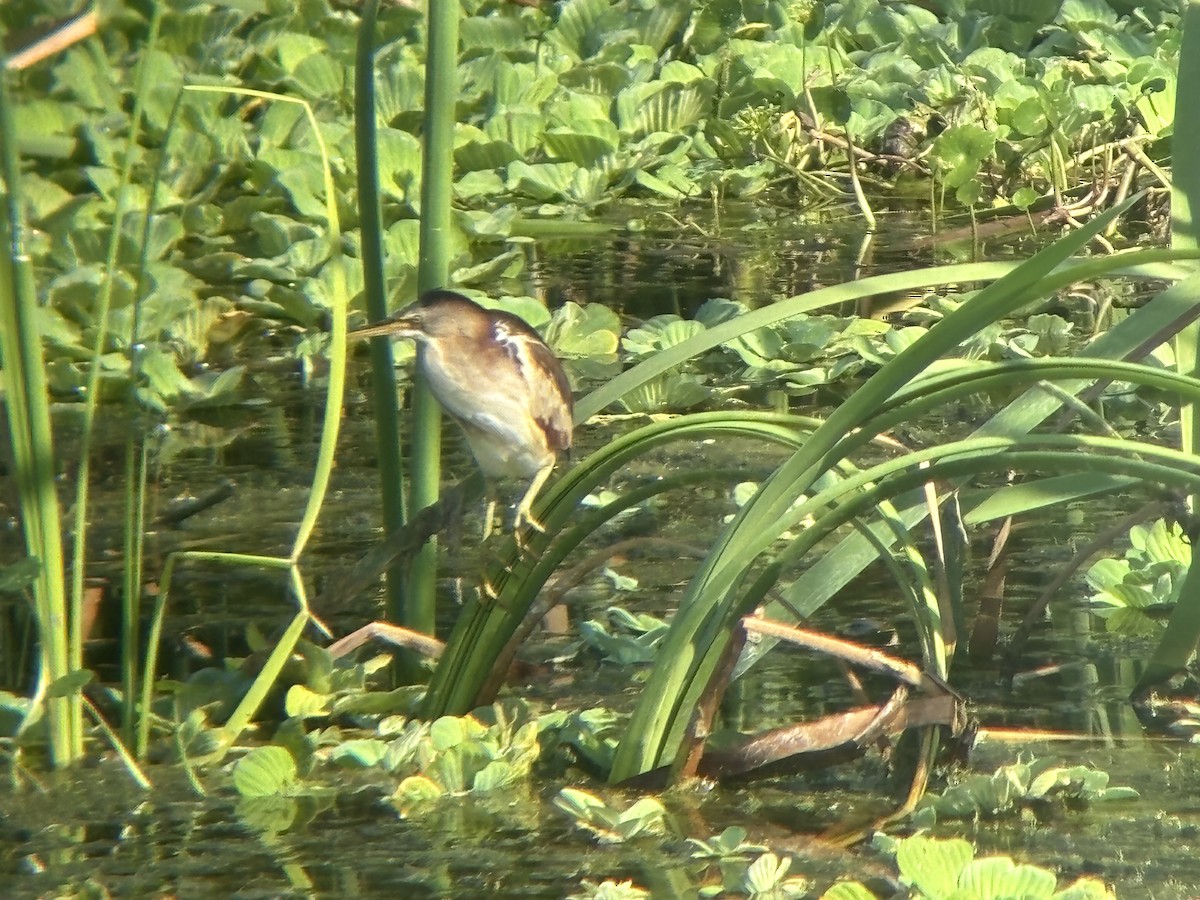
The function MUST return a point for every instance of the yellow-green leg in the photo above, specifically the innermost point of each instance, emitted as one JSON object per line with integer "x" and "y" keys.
{"x": 524, "y": 514}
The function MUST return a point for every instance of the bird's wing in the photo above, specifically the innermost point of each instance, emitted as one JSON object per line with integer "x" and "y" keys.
{"x": 550, "y": 401}
{"x": 552, "y": 405}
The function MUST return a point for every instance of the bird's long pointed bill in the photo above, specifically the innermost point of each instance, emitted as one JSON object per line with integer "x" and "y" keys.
{"x": 386, "y": 328}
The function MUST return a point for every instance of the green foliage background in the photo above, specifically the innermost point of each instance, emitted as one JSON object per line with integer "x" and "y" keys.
{"x": 562, "y": 109}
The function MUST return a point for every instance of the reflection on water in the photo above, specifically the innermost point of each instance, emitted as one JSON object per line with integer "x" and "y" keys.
{"x": 95, "y": 827}
{"x": 752, "y": 254}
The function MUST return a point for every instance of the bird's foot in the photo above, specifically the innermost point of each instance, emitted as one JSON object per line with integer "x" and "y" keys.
{"x": 489, "y": 590}
{"x": 493, "y": 575}
{"x": 522, "y": 522}
{"x": 494, "y": 571}
{"x": 521, "y": 540}
{"x": 524, "y": 519}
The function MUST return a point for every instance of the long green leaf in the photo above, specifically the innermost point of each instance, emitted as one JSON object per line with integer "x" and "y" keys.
{"x": 1043, "y": 493}
{"x": 1134, "y": 263}
{"x": 700, "y": 629}
{"x": 1137, "y": 332}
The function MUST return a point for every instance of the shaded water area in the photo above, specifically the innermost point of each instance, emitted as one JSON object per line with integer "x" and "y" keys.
{"x": 95, "y": 824}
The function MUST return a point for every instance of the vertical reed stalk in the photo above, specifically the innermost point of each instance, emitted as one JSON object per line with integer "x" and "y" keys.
{"x": 383, "y": 375}
{"x": 1179, "y": 641}
{"x": 1185, "y": 202}
{"x": 135, "y": 717}
{"x": 28, "y": 409}
{"x": 135, "y": 447}
{"x": 441, "y": 94}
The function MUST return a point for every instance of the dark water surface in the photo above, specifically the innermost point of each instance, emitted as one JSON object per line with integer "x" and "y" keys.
{"x": 58, "y": 831}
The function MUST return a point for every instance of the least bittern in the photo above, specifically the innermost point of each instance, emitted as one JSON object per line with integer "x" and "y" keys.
{"x": 496, "y": 377}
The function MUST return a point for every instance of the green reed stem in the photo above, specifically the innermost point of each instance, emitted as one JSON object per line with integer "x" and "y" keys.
{"x": 383, "y": 372}
{"x": 135, "y": 446}
{"x": 136, "y": 463}
{"x": 130, "y": 602}
{"x": 28, "y": 409}
{"x": 441, "y": 94}
{"x": 1185, "y": 203}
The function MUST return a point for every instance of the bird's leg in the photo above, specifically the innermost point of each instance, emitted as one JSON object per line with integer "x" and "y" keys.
{"x": 489, "y": 522}
{"x": 523, "y": 518}
{"x": 524, "y": 514}
{"x": 489, "y": 517}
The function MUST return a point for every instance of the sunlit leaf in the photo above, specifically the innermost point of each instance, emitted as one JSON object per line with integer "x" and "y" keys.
{"x": 658, "y": 107}
{"x": 362, "y": 752}
{"x": 933, "y": 865}
{"x": 71, "y": 683}
{"x": 960, "y": 151}
{"x": 849, "y": 890}
{"x": 584, "y": 331}
{"x": 264, "y": 771}
{"x": 304, "y": 703}
{"x": 575, "y": 30}
{"x": 998, "y": 876}
{"x": 414, "y": 792}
